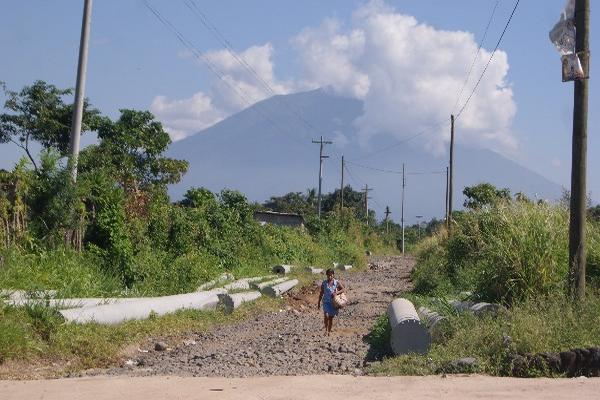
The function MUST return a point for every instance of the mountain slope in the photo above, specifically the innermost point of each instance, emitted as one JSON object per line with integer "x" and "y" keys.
{"x": 266, "y": 150}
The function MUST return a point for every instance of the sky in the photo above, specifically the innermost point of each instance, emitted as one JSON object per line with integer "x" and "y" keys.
{"x": 405, "y": 59}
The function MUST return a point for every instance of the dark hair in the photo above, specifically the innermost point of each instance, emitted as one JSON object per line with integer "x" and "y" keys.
{"x": 330, "y": 271}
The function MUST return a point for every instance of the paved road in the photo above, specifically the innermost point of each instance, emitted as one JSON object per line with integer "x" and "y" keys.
{"x": 300, "y": 387}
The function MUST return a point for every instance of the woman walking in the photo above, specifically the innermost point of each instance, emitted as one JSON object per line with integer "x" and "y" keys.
{"x": 329, "y": 289}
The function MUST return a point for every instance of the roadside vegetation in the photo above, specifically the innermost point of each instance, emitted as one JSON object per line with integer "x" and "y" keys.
{"x": 116, "y": 232}
{"x": 512, "y": 252}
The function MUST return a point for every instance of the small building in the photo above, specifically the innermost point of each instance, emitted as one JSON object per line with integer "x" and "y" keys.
{"x": 281, "y": 219}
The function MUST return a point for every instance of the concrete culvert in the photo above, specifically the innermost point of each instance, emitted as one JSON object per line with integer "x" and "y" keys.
{"x": 314, "y": 270}
{"x": 478, "y": 309}
{"x": 217, "y": 281}
{"x": 242, "y": 284}
{"x": 229, "y": 302}
{"x": 438, "y": 325}
{"x": 408, "y": 335}
{"x": 280, "y": 288}
{"x": 282, "y": 269}
{"x": 72, "y": 303}
{"x": 110, "y": 314}
{"x": 261, "y": 285}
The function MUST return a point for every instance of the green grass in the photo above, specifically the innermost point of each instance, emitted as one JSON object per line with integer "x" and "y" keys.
{"x": 38, "y": 334}
{"x": 514, "y": 253}
{"x": 534, "y": 326}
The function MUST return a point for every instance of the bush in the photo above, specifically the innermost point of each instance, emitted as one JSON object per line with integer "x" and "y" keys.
{"x": 506, "y": 253}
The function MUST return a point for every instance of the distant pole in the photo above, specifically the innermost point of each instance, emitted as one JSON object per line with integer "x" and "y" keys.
{"x": 402, "y": 215}
{"x": 80, "y": 86}
{"x": 419, "y": 226}
{"x": 387, "y": 219}
{"x": 451, "y": 177}
{"x": 342, "y": 187}
{"x": 579, "y": 156}
{"x": 446, "y": 204}
{"x": 367, "y": 203}
{"x": 321, "y": 158}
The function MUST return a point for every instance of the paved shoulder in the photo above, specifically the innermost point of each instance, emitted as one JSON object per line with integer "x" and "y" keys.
{"x": 301, "y": 387}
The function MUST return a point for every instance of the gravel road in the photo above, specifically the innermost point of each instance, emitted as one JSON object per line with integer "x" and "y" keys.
{"x": 289, "y": 342}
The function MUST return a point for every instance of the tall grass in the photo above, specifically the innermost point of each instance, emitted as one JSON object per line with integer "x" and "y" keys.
{"x": 510, "y": 252}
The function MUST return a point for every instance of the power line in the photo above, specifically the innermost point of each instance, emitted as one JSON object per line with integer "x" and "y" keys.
{"x": 476, "y": 55}
{"x": 490, "y": 60}
{"x": 390, "y": 171}
{"x": 398, "y": 143}
{"x": 193, "y": 6}
{"x": 215, "y": 70}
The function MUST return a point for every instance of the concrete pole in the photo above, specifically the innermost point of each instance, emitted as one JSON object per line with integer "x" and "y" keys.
{"x": 451, "y": 178}
{"x": 321, "y": 158}
{"x": 402, "y": 215}
{"x": 80, "y": 87}
{"x": 446, "y": 204}
{"x": 342, "y": 187}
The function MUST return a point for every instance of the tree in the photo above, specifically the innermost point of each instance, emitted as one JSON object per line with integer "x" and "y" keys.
{"x": 484, "y": 194}
{"x": 131, "y": 150}
{"x": 39, "y": 113}
{"x": 294, "y": 202}
{"x": 594, "y": 213}
{"x": 352, "y": 199}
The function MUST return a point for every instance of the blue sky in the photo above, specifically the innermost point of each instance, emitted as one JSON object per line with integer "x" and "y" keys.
{"x": 133, "y": 59}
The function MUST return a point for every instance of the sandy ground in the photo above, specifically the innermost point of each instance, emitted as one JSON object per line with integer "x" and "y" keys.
{"x": 301, "y": 387}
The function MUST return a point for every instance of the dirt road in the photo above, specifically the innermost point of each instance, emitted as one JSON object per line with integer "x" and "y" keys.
{"x": 290, "y": 342}
{"x": 301, "y": 387}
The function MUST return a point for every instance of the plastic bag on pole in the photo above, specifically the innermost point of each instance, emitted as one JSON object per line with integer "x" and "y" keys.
{"x": 563, "y": 33}
{"x": 571, "y": 68}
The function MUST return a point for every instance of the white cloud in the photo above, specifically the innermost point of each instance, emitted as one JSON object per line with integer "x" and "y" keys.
{"x": 329, "y": 58}
{"x": 409, "y": 74}
{"x": 249, "y": 77}
{"x": 245, "y": 78}
{"x": 184, "y": 117}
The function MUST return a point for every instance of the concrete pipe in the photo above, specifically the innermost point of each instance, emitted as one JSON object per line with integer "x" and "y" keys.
{"x": 72, "y": 303}
{"x": 478, "y": 309}
{"x": 217, "y": 281}
{"x": 261, "y": 285}
{"x": 16, "y": 295}
{"x": 438, "y": 325}
{"x": 283, "y": 269}
{"x": 408, "y": 335}
{"x": 280, "y": 288}
{"x": 110, "y": 314}
{"x": 344, "y": 267}
{"x": 229, "y": 302}
{"x": 242, "y": 284}
{"x": 314, "y": 270}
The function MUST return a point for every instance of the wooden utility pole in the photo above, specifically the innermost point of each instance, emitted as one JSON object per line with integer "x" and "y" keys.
{"x": 451, "y": 176}
{"x": 367, "y": 190}
{"x": 321, "y": 158}
{"x": 80, "y": 87}
{"x": 342, "y": 187}
{"x": 387, "y": 219}
{"x": 446, "y": 204}
{"x": 579, "y": 156}
{"x": 402, "y": 212}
